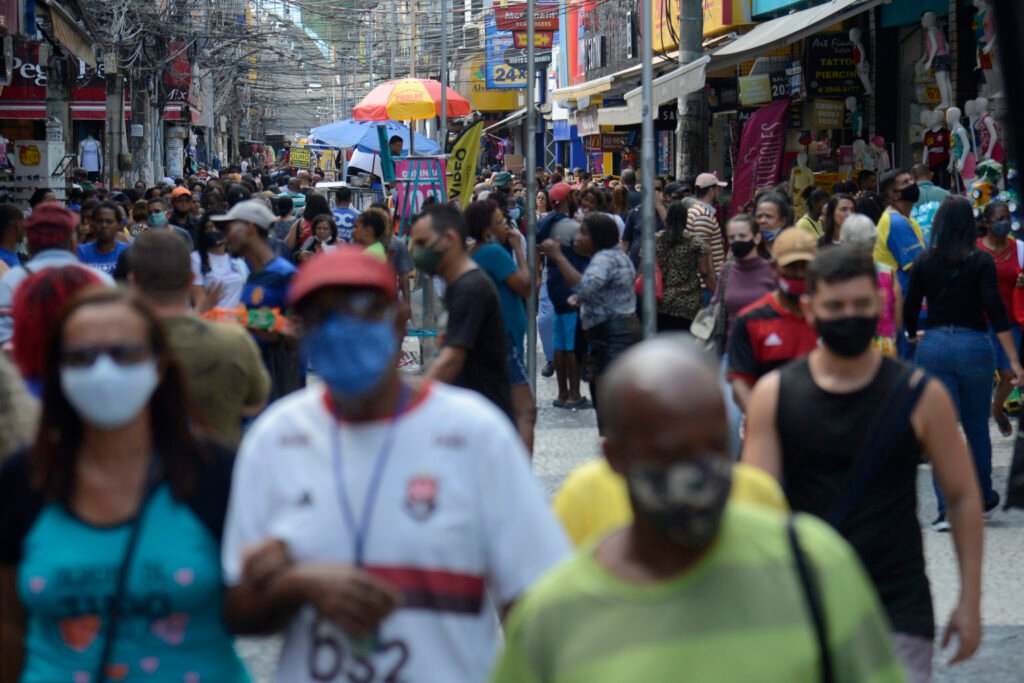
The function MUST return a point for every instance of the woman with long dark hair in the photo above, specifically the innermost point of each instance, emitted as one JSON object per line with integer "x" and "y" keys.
{"x": 684, "y": 261}
{"x": 302, "y": 228}
{"x": 110, "y": 540}
{"x": 838, "y": 208}
{"x": 324, "y": 238}
{"x": 217, "y": 277}
{"x": 960, "y": 284}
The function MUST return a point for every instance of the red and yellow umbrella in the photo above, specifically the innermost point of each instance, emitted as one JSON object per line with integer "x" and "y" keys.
{"x": 409, "y": 99}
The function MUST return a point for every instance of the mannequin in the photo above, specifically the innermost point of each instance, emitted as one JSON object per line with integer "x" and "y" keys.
{"x": 986, "y": 134}
{"x": 936, "y": 146}
{"x": 90, "y": 156}
{"x": 800, "y": 178}
{"x": 961, "y": 161}
{"x": 856, "y": 117}
{"x": 860, "y": 61}
{"x": 881, "y": 156}
{"x": 863, "y": 159}
{"x": 936, "y": 54}
{"x": 986, "y": 60}
{"x": 971, "y": 112}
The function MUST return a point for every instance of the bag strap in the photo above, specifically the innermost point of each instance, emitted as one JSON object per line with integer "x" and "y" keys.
{"x": 113, "y": 619}
{"x": 891, "y": 417}
{"x": 1020, "y": 253}
{"x": 814, "y": 605}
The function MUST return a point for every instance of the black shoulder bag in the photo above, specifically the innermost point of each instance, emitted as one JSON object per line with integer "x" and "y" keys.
{"x": 812, "y": 597}
{"x": 110, "y": 629}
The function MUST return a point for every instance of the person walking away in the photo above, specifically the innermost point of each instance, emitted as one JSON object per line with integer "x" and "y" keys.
{"x": 49, "y": 232}
{"x": 859, "y": 231}
{"x": 845, "y": 429}
{"x": 559, "y": 227}
{"x": 223, "y": 370}
{"x": 702, "y": 220}
{"x": 810, "y": 222}
{"x": 344, "y": 214}
{"x": 961, "y": 285}
{"x": 246, "y": 227}
{"x": 473, "y": 354}
{"x": 386, "y": 583}
{"x": 632, "y": 234}
{"x": 103, "y": 253}
{"x": 605, "y": 293}
{"x": 1008, "y": 255}
{"x": 12, "y": 232}
{"x": 485, "y": 221}
{"x": 324, "y": 238}
{"x": 628, "y": 179}
{"x": 115, "y": 484}
{"x": 282, "y": 207}
{"x": 217, "y": 277}
{"x": 772, "y": 331}
{"x": 684, "y": 261}
{"x": 836, "y": 211}
{"x": 612, "y": 610}
{"x": 370, "y": 231}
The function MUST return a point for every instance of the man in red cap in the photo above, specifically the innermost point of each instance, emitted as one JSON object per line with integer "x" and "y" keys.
{"x": 50, "y": 232}
{"x": 181, "y": 212}
{"x": 376, "y": 521}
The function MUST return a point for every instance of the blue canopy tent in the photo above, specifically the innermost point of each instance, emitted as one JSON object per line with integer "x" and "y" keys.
{"x": 362, "y": 135}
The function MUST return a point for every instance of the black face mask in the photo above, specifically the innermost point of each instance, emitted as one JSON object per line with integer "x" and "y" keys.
{"x": 214, "y": 238}
{"x": 741, "y": 249}
{"x": 848, "y": 337}
{"x": 1000, "y": 229}
{"x": 910, "y": 193}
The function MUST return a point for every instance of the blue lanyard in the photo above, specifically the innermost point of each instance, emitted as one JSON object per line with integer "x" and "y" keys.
{"x": 361, "y": 529}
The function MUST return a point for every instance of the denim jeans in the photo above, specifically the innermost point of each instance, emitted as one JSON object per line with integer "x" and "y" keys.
{"x": 546, "y": 322}
{"x": 732, "y": 411}
{"x": 963, "y": 359}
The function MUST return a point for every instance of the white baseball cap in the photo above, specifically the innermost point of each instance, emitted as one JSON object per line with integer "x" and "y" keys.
{"x": 251, "y": 211}
{"x": 707, "y": 180}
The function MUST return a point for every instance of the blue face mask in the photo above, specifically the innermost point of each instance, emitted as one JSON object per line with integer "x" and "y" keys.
{"x": 514, "y": 213}
{"x": 350, "y": 354}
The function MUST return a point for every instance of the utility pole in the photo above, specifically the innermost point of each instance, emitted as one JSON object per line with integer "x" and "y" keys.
{"x": 691, "y": 132}
{"x": 394, "y": 42}
{"x": 412, "y": 40}
{"x": 442, "y": 135}
{"x": 369, "y": 48}
{"x": 115, "y": 117}
{"x": 531, "y": 199}
{"x": 647, "y": 162}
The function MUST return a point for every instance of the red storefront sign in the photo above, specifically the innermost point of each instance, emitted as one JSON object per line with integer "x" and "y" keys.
{"x": 25, "y": 97}
{"x": 513, "y": 17}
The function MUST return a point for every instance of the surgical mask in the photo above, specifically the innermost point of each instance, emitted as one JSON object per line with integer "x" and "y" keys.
{"x": 350, "y": 354}
{"x": 428, "y": 258}
{"x": 741, "y": 249}
{"x": 910, "y": 193}
{"x": 770, "y": 235}
{"x": 157, "y": 220}
{"x": 109, "y": 395}
{"x": 514, "y": 213}
{"x": 685, "y": 500}
{"x": 792, "y": 287}
{"x": 1000, "y": 229}
{"x": 848, "y": 337}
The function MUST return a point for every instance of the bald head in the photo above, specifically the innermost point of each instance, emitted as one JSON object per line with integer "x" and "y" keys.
{"x": 661, "y": 400}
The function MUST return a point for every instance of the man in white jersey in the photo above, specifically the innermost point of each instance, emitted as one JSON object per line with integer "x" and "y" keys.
{"x": 374, "y": 520}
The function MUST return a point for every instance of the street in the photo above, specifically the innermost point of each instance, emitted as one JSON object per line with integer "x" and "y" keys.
{"x": 568, "y": 438}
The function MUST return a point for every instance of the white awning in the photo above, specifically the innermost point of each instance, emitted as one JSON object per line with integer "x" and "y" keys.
{"x": 586, "y": 89}
{"x": 787, "y": 29}
{"x": 70, "y": 34}
{"x": 514, "y": 117}
{"x": 686, "y": 79}
{"x": 620, "y": 116}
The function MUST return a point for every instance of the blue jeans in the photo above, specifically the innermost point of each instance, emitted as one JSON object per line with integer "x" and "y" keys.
{"x": 732, "y": 411}
{"x": 546, "y": 322}
{"x": 963, "y": 359}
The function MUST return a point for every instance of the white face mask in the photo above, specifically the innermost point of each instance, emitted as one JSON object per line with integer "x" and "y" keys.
{"x": 109, "y": 395}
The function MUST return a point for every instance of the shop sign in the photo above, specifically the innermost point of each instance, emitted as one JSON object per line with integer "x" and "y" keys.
{"x": 410, "y": 201}
{"x": 482, "y": 98}
{"x": 608, "y": 142}
{"x": 828, "y": 114}
{"x": 722, "y": 16}
{"x": 825, "y": 181}
{"x": 759, "y": 162}
{"x": 668, "y": 117}
{"x": 830, "y": 68}
{"x": 586, "y": 122}
{"x": 300, "y": 157}
{"x": 755, "y": 89}
{"x": 795, "y": 79}
{"x": 512, "y": 17}
{"x": 499, "y": 74}
{"x": 542, "y": 41}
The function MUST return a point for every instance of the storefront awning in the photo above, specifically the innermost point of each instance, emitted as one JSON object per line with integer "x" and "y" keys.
{"x": 70, "y": 34}
{"x": 786, "y": 30}
{"x": 514, "y": 117}
{"x": 683, "y": 81}
{"x": 34, "y": 111}
{"x": 576, "y": 92}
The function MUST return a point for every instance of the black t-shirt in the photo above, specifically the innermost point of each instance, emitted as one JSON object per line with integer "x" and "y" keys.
{"x": 818, "y": 456}
{"x": 475, "y": 324}
{"x": 962, "y": 294}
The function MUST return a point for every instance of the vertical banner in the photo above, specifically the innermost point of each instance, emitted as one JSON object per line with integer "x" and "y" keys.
{"x": 427, "y": 185}
{"x": 759, "y": 163}
{"x": 462, "y": 164}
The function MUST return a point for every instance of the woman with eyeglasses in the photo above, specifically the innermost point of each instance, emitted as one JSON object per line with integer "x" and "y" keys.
{"x": 110, "y": 524}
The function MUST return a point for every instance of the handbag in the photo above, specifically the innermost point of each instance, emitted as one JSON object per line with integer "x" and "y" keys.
{"x": 709, "y": 325}
{"x": 809, "y": 587}
{"x": 659, "y": 284}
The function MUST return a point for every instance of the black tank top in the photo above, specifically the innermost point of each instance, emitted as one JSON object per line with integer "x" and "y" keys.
{"x": 821, "y": 435}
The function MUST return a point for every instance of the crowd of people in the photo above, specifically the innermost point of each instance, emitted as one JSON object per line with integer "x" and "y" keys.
{"x": 172, "y": 478}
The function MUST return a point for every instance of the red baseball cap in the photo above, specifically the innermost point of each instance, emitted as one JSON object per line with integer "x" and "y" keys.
{"x": 345, "y": 266}
{"x": 180, "y": 191}
{"x": 559, "y": 191}
{"x": 50, "y": 224}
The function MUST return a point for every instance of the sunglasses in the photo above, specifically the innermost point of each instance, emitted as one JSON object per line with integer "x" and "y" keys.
{"x": 122, "y": 354}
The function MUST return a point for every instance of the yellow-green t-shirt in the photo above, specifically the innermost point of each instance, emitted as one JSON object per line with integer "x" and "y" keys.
{"x": 738, "y": 616}
{"x": 377, "y": 249}
{"x": 593, "y": 500}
